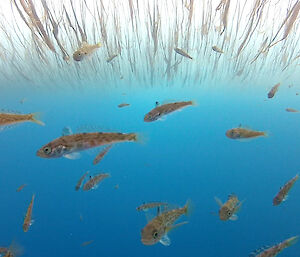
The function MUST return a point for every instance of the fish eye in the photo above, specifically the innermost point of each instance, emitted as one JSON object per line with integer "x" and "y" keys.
{"x": 155, "y": 234}
{"x": 229, "y": 213}
{"x": 47, "y": 150}
{"x": 79, "y": 54}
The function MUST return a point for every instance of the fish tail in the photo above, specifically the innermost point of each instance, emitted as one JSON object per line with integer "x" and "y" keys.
{"x": 188, "y": 207}
{"x": 98, "y": 44}
{"x": 291, "y": 241}
{"x": 35, "y": 118}
{"x": 15, "y": 249}
{"x": 194, "y": 103}
{"x": 140, "y": 138}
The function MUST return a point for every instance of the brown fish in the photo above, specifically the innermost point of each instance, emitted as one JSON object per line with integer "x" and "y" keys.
{"x": 13, "y": 250}
{"x": 273, "y": 90}
{"x": 291, "y": 110}
{"x": 11, "y": 118}
{"x": 87, "y": 243}
{"x": 283, "y": 193}
{"x": 3, "y": 250}
{"x": 85, "y": 50}
{"x": 100, "y": 156}
{"x": 160, "y": 110}
{"x": 157, "y": 229}
{"x": 242, "y": 133}
{"x": 21, "y": 187}
{"x": 94, "y": 181}
{"x": 229, "y": 209}
{"x": 66, "y": 145}
{"x": 183, "y": 53}
{"x": 79, "y": 183}
{"x": 28, "y": 221}
{"x": 123, "y": 105}
{"x": 146, "y": 206}
{"x": 217, "y": 49}
{"x": 276, "y": 249}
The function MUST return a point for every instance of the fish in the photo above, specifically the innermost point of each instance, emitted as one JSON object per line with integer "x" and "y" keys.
{"x": 14, "y": 118}
{"x": 243, "y": 133}
{"x": 100, "y": 156}
{"x": 87, "y": 243}
{"x": 146, "y": 206}
{"x": 183, "y": 53}
{"x": 283, "y": 192}
{"x": 13, "y": 250}
{"x": 123, "y": 105}
{"x": 291, "y": 110}
{"x": 28, "y": 221}
{"x": 85, "y": 50}
{"x": 276, "y": 249}
{"x": 273, "y": 90}
{"x": 160, "y": 110}
{"x": 3, "y": 250}
{"x": 21, "y": 187}
{"x": 157, "y": 229}
{"x": 79, "y": 183}
{"x": 109, "y": 59}
{"x": 94, "y": 181}
{"x": 229, "y": 209}
{"x": 217, "y": 49}
{"x": 68, "y": 145}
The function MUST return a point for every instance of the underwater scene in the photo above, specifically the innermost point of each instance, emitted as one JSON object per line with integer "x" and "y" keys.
{"x": 150, "y": 128}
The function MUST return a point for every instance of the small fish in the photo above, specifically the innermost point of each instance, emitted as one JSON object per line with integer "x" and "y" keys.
{"x": 87, "y": 243}
{"x": 273, "y": 90}
{"x": 66, "y": 145}
{"x": 229, "y": 209}
{"x": 109, "y": 59}
{"x": 85, "y": 50}
{"x": 11, "y": 118}
{"x": 22, "y": 100}
{"x": 79, "y": 183}
{"x": 28, "y": 221}
{"x": 157, "y": 229}
{"x": 94, "y": 181}
{"x": 291, "y": 110}
{"x": 243, "y": 133}
{"x": 217, "y": 49}
{"x": 100, "y": 156}
{"x": 123, "y": 105}
{"x": 146, "y": 206}
{"x": 13, "y": 250}
{"x": 276, "y": 249}
{"x": 183, "y": 53}
{"x": 160, "y": 110}
{"x": 80, "y": 217}
{"x": 283, "y": 192}
{"x": 21, "y": 187}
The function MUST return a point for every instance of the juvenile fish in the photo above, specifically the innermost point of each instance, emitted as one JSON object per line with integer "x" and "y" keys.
{"x": 229, "y": 209}
{"x": 79, "y": 183}
{"x": 273, "y": 90}
{"x": 217, "y": 49}
{"x": 242, "y": 133}
{"x": 160, "y": 110}
{"x": 157, "y": 229}
{"x": 85, "y": 50}
{"x": 100, "y": 156}
{"x": 94, "y": 181}
{"x": 123, "y": 105}
{"x": 11, "y": 118}
{"x": 28, "y": 221}
{"x": 87, "y": 243}
{"x": 66, "y": 145}
{"x": 183, "y": 53}
{"x": 291, "y": 110}
{"x": 283, "y": 193}
{"x": 276, "y": 249}
{"x": 151, "y": 205}
{"x": 21, "y": 187}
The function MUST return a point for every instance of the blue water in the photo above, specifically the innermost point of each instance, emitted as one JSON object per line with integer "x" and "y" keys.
{"x": 186, "y": 156}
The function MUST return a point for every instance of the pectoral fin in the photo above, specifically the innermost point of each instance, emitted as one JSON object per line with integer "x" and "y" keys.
{"x": 219, "y": 202}
{"x": 165, "y": 240}
{"x": 233, "y": 217}
{"x": 72, "y": 156}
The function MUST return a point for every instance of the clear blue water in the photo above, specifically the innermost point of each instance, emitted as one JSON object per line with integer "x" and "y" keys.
{"x": 186, "y": 156}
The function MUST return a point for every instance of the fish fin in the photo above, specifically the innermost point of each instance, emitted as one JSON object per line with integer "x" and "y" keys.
{"x": 218, "y": 201}
{"x": 291, "y": 241}
{"x": 141, "y": 138}
{"x": 72, "y": 156}
{"x": 168, "y": 101}
{"x": 66, "y": 131}
{"x": 194, "y": 103}
{"x": 35, "y": 118}
{"x": 177, "y": 225}
{"x": 84, "y": 43}
{"x": 233, "y": 217}
{"x": 98, "y": 44}
{"x": 3, "y": 128}
{"x": 165, "y": 240}
{"x": 285, "y": 198}
{"x": 188, "y": 208}
{"x": 15, "y": 249}
{"x": 157, "y": 103}
{"x": 149, "y": 216}
{"x": 31, "y": 222}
